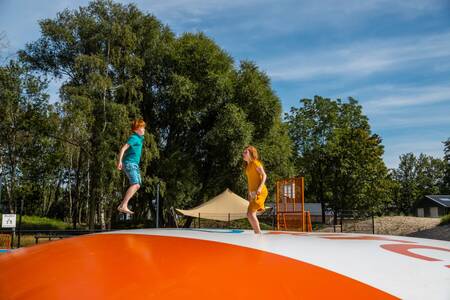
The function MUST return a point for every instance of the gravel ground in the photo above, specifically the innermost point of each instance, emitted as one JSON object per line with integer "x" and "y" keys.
{"x": 399, "y": 225}
{"x": 437, "y": 233}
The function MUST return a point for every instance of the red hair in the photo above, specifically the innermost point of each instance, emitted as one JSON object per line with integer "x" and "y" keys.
{"x": 136, "y": 124}
{"x": 253, "y": 154}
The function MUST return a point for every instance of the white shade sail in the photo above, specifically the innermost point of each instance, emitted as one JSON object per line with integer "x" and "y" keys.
{"x": 226, "y": 206}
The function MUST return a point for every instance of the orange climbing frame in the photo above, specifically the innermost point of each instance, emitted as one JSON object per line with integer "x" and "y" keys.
{"x": 290, "y": 204}
{"x": 5, "y": 241}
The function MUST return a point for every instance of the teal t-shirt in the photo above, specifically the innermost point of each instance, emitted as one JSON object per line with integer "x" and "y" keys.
{"x": 133, "y": 153}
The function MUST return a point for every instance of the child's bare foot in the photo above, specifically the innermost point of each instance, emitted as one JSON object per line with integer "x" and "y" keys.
{"x": 124, "y": 210}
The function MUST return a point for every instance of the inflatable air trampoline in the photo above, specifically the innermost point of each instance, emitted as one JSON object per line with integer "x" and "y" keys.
{"x": 228, "y": 264}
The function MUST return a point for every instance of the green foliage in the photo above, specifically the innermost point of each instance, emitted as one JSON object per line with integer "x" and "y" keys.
{"x": 26, "y": 122}
{"x": 36, "y": 222}
{"x": 416, "y": 177}
{"x": 338, "y": 155}
{"x": 98, "y": 51}
{"x": 445, "y": 220}
{"x": 117, "y": 64}
{"x": 445, "y": 188}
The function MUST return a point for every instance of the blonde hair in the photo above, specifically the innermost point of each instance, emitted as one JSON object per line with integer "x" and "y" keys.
{"x": 136, "y": 124}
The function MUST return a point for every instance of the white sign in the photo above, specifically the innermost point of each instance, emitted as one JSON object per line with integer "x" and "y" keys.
{"x": 9, "y": 221}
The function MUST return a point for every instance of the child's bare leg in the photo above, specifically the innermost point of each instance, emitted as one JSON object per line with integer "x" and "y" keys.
{"x": 250, "y": 220}
{"x": 130, "y": 192}
{"x": 254, "y": 222}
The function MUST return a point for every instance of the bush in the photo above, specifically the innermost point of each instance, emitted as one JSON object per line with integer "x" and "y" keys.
{"x": 445, "y": 220}
{"x": 35, "y": 222}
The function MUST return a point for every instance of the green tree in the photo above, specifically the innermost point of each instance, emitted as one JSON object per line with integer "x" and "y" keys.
{"x": 310, "y": 128}
{"x": 359, "y": 176}
{"x": 417, "y": 177}
{"x": 26, "y": 118}
{"x": 96, "y": 50}
{"x": 339, "y": 156}
{"x": 208, "y": 112}
{"x": 406, "y": 175}
{"x": 255, "y": 96}
{"x": 118, "y": 63}
{"x": 430, "y": 175}
{"x": 446, "y": 160}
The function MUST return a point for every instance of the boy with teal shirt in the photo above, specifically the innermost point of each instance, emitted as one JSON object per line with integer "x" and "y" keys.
{"x": 129, "y": 159}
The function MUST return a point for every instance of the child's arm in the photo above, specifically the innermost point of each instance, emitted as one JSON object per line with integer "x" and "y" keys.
{"x": 261, "y": 171}
{"x": 122, "y": 151}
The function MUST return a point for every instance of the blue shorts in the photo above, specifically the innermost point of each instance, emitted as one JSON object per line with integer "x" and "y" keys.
{"x": 133, "y": 173}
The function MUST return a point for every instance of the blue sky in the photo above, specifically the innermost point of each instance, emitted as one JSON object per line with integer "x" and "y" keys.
{"x": 392, "y": 56}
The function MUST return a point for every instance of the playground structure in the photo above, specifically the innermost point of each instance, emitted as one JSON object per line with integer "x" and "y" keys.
{"x": 5, "y": 241}
{"x": 290, "y": 206}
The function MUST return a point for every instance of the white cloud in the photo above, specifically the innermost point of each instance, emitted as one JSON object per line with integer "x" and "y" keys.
{"x": 404, "y": 106}
{"x": 411, "y": 121}
{"x": 406, "y": 97}
{"x": 287, "y": 15}
{"x": 179, "y": 12}
{"x": 361, "y": 58}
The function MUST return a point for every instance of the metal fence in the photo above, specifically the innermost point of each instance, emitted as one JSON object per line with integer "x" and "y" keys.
{"x": 230, "y": 221}
{"x": 343, "y": 221}
{"x": 349, "y": 221}
{"x": 38, "y": 234}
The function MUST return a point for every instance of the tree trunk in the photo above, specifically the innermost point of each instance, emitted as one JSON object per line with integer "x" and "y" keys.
{"x": 322, "y": 201}
{"x": 58, "y": 190}
{"x": 69, "y": 185}
{"x": 9, "y": 196}
{"x": 109, "y": 217}
{"x": 76, "y": 199}
{"x": 92, "y": 206}
{"x": 101, "y": 212}
{"x": 12, "y": 201}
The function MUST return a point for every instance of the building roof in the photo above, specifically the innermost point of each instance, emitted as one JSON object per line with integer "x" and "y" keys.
{"x": 443, "y": 200}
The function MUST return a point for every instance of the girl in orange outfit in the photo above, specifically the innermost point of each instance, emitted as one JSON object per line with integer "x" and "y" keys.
{"x": 257, "y": 190}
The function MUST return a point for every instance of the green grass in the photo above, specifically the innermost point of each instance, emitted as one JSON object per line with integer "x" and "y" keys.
{"x": 445, "y": 220}
{"x": 36, "y": 222}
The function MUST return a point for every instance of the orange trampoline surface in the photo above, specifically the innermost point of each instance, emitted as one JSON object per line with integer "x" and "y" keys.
{"x": 227, "y": 264}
